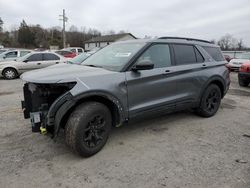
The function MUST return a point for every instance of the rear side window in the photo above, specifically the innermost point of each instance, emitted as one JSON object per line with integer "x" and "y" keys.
{"x": 11, "y": 54}
{"x": 214, "y": 52}
{"x": 48, "y": 57}
{"x": 80, "y": 50}
{"x": 184, "y": 54}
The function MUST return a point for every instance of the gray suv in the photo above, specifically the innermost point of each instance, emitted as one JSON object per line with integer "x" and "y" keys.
{"x": 123, "y": 81}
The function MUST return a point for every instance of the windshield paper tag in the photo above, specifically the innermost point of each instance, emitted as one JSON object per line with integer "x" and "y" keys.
{"x": 122, "y": 54}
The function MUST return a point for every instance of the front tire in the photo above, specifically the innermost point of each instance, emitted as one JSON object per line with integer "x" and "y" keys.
{"x": 210, "y": 101}
{"x": 10, "y": 73}
{"x": 88, "y": 128}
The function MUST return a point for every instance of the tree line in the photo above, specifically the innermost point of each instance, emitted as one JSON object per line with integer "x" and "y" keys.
{"x": 35, "y": 36}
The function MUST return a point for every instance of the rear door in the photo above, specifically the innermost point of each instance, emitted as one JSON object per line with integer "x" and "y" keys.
{"x": 50, "y": 59}
{"x": 190, "y": 71}
{"x": 155, "y": 89}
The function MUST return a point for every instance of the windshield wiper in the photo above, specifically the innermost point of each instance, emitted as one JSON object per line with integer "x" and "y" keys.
{"x": 98, "y": 66}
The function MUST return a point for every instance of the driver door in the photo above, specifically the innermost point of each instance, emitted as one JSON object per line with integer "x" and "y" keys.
{"x": 152, "y": 90}
{"x": 34, "y": 61}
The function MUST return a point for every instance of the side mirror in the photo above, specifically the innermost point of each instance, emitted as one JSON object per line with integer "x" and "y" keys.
{"x": 25, "y": 61}
{"x": 4, "y": 57}
{"x": 143, "y": 65}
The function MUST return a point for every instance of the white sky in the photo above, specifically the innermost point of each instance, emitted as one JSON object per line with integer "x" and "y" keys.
{"x": 205, "y": 19}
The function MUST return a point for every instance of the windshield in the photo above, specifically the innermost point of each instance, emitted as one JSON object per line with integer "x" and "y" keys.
{"x": 79, "y": 59}
{"x": 244, "y": 56}
{"x": 20, "y": 59}
{"x": 114, "y": 56}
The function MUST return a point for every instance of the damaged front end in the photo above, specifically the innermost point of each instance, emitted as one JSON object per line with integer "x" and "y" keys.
{"x": 41, "y": 103}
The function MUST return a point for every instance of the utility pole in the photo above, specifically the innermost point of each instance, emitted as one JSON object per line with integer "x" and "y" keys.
{"x": 64, "y": 19}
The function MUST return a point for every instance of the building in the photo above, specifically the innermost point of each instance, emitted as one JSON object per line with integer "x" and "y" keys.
{"x": 101, "y": 41}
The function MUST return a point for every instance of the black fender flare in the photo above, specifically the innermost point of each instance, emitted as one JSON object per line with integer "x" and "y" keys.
{"x": 215, "y": 78}
{"x": 66, "y": 102}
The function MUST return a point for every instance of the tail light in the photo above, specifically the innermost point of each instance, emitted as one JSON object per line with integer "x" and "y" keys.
{"x": 245, "y": 68}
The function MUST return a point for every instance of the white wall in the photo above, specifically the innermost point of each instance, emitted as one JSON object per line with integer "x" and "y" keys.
{"x": 103, "y": 44}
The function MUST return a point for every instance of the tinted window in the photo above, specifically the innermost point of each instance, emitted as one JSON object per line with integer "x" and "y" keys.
{"x": 215, "y": 53}
{"x": 158, "y": 54}
{"x": 35, "y": 57}
{"x": 48, "y": 57}
{"x": 11, "y": 54}
{"x": 199, "y": 57}
{"x": 80, "y": 50}
{"x": 184, "y": 54}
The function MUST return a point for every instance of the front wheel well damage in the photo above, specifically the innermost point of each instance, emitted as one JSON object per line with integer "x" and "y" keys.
{"x": 114, "y": 109}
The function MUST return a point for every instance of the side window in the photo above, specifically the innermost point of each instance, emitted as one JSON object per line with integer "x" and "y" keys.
{"x": 73, "y": 50}
{"x": 80, "y": 50}
{"x": 199, "y": 57}
{"x": 22, "y": 53}
{"x": 35, "y": 57}
{"x": 11, "y": 54}
{"x": 158, "y": 54}
{"x": 214, "y": 52}
{"x": 184, "y": 54}
{"x": 50, "y": 57}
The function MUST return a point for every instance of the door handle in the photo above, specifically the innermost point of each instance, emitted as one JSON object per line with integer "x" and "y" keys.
{"x": 204, "y": 66}
{"x": 38, "y": 63}
{"x": 57, "y": 62}
{"x": 166, "y": 72}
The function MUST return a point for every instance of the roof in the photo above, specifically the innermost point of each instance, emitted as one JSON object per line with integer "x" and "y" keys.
{"x": 179, "y": 40}
{"x": 109, "y": 38}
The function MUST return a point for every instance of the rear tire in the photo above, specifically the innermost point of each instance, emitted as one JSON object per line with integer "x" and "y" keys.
{"x": 88, "y": 128}
{"x": 210, "y": 101}
{"x": 10, "y": 73}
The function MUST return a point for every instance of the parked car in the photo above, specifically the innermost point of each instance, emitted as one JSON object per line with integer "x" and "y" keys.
{"x": 123, "y": 81}
{"x": 66, "y": 53}
{"x": 31, "y": 61}
{"x": 75, "y": 50}
{"x": 244, "y": 74}
{"x": 235, "y": 64}
{"x": 11, "y": 55}
{"x": 3, "y": 50}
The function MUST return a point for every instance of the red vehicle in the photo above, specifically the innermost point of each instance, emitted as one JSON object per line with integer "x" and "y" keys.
{"x": 65, "y": 53}
{"x": 244, "y": 74}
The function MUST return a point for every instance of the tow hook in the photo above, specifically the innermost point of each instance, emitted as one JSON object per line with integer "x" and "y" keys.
{"x": 43, "y": 130}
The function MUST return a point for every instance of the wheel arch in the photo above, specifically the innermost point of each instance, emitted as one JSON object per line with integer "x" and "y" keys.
{"x": 113, "y": 104}
{"x": 217, "y": 80}
{"x": 10, "y": 67}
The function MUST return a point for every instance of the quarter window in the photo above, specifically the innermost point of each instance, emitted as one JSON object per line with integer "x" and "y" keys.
{"x": 158, "y": 54}
{"x": 214, "y": 52}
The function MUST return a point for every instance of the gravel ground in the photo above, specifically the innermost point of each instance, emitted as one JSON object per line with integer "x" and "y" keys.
{"x": 176, "y": 150}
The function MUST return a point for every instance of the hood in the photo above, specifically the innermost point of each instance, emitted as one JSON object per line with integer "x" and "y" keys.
{"x": 62, "y": 73}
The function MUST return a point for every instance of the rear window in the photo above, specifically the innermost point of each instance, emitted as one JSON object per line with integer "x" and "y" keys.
{"x": 214, "y": 52}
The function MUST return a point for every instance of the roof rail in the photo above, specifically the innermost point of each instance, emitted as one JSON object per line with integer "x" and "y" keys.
{"x": 183, "y": 38}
